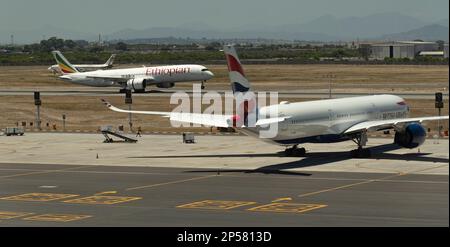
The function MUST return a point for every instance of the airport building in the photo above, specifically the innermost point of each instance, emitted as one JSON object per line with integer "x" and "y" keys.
{"x": 445, "y": 50}
{"x": 398, "y": 49}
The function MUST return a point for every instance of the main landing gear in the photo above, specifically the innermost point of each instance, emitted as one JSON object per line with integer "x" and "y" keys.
{"x": 124, "y": 90}
{"x": 361, "y": 140}
{"x": 295, "y": 151}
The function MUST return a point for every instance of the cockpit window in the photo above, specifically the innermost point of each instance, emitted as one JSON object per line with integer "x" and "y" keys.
{"x": 205, "y": 69}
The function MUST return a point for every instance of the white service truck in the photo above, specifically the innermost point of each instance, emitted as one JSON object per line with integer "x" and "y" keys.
{"x": 188, "y": 137}
{"x": 14, "y": 131}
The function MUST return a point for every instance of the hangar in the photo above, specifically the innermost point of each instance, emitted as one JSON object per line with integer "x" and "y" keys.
{"x": 398, "y": 49}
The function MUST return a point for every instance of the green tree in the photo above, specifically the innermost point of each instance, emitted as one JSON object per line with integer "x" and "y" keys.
{"x": 70, "y": 43}
{"x": 52, "y": 43}
{"x": 339, "y": 53}
{"x": 96, "y": 49}
{"x": 121, "y": 46}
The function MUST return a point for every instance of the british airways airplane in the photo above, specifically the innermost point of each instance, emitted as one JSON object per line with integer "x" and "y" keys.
{"x": 320, "y": 121}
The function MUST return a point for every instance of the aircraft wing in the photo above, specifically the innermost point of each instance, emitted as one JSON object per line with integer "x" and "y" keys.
{"x": 120, "y": 78}
{"x": 265, "y": 121}
{"x": 388, "y": 124}
{"x": 214, "y": 120}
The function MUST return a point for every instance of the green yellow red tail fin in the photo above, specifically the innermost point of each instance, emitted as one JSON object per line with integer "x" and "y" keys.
{"x": 63, "y": 63}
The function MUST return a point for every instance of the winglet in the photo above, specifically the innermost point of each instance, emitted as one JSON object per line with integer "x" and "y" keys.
{"x": 106, "y": 103}
{"x": 113, "y": 108}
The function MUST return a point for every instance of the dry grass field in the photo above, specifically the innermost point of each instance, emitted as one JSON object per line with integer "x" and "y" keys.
{"x": 88, "y": 113}
{"x": 349, "y": 78}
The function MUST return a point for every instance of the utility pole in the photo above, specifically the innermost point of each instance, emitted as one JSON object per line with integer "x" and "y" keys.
{"x": 129, "y": 101}
{"x": 330, "y": 76}
{"x": 37, "y": 103}
{"x": 64, "y": 122}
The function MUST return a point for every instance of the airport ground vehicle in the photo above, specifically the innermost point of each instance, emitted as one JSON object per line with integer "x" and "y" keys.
{"x": 188, "y": 137}
{"x": 14, "y": 131}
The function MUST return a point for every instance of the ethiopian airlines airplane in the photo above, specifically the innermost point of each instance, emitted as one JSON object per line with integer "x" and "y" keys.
{"x": 85, "y": 67}
{"x": 136, "y": 79}
{"x": 321, "y": 121}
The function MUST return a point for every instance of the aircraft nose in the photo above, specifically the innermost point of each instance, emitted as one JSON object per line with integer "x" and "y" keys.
{"x": 209, "y": 74}
{"x": 66, "y": 77}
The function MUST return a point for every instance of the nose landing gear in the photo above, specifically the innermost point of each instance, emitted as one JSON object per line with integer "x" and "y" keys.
{"x": 295, "y": 151}
{"x": 203, "y": 85}
{"x": 361, "y": 140}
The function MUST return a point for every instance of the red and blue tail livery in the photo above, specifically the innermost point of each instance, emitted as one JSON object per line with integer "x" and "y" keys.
{"x": 238, "y": 81}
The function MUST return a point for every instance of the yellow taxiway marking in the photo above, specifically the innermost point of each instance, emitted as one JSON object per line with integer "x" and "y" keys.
{"x": 215, "y": 204}
{"x": 40, "y": 172}
{"x": 172, "y": 182}
{"x": 38, "y": 197}
{"x": 103, "y": 199}
{"x": 57, "y": 217}
{"x": 287, "y": 207}
{"x": 6, "y": 215}
{"x": 282, "y": 199}
{"x": 106, "y": 192}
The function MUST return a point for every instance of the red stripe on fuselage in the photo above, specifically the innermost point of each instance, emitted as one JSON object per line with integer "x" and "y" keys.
{"x": 234, "y": 65}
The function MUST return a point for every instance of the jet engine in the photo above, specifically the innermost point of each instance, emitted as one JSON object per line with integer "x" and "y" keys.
{"x": 412, "y": 136}
{"x": 137, "y": 84}
{"x": 165, "y": 85}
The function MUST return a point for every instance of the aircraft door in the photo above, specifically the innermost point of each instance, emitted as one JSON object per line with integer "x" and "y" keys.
{"x": 331, "y": 115}
{"x": 283, "y": 126}
{"x": 374, "y": 112}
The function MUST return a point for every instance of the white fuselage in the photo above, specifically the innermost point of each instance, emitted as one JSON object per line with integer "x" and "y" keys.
{"x": 159, "y": 75}
{"x": 326, "y": 120}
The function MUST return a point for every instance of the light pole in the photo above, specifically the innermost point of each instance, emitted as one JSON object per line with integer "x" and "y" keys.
{"x": 330, "y": 76}
{"x": 129, "y": 101}
{"x": 439, "y": 104}
{"x": 64, "y": 122}
{"x": 37, "y": 103}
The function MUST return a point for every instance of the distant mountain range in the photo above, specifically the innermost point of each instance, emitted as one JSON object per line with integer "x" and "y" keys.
{"x": 358, "y": 27}
{"x": 429, "y": 32}
{"x": 324, "y": 28}
{"x": 384, "y": 26}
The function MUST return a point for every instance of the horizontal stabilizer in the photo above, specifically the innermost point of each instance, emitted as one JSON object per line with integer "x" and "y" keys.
{"x": 214, "y": 120}
{"x": 270, "y": 120}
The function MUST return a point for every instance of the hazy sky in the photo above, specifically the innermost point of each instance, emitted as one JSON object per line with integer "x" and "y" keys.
{"x": 111, "y": 15}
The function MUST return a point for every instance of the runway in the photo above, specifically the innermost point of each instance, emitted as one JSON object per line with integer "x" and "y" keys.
{"x": 71, "y": 195}
{"x": 301, "y": 94}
